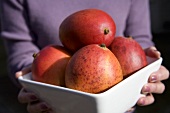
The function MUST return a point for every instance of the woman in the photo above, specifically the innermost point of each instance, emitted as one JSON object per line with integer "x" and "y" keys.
{"x": 30, "y": 25}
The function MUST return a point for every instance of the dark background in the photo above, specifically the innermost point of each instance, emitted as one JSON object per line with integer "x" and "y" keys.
{"x": 160, "y": 24}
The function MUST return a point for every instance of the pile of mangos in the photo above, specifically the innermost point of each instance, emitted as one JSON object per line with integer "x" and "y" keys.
{"x": 92, "y": 59}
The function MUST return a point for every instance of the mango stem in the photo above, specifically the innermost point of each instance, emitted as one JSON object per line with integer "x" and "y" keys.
{"x": 34, "y": 55}
{"x": 106, "y": 31}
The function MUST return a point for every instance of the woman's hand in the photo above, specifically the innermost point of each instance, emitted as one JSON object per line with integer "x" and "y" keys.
{"x": 154, "y": 84}
{"x": 34, "y": 104}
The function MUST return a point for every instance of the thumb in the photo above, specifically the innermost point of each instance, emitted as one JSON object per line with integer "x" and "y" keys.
{"x": 23, "y": 71}
{"x": 152, "y": 52}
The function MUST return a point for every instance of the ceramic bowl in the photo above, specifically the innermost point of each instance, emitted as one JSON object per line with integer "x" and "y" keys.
{"x": 117, "y": 99}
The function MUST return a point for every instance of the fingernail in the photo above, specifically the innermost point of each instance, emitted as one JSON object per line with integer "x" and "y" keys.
{"x": 33, "y": 97}
{"x": 158, "y": 53}
{"x": 44, "y": 107}
{"x": 153, "y": 79}
{"x": 153, "y": 48}
{"x": 18, "y": 74}
{"x": 146, "y": 90}
{"x": 142, "y": 102}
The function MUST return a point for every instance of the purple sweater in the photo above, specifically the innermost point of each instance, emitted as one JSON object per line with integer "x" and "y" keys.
{"x": 30, "y": 25}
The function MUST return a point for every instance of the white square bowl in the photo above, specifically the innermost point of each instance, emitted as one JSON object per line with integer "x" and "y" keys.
{"x": 117, "y": 99}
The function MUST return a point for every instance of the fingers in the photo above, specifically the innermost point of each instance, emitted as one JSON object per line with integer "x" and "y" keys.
{"x": 143, "y": 101}
{"x": 148, "y": 89}
{"x": 152, "y": 52}
{"x": 39, "y": 107}
{"x": 161, "y": 74}
{"x": 158, "y": 88}
{"x": 34, "y": 104}
{"x": 154, "y": 86}
{"x": 26, "y": 96}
